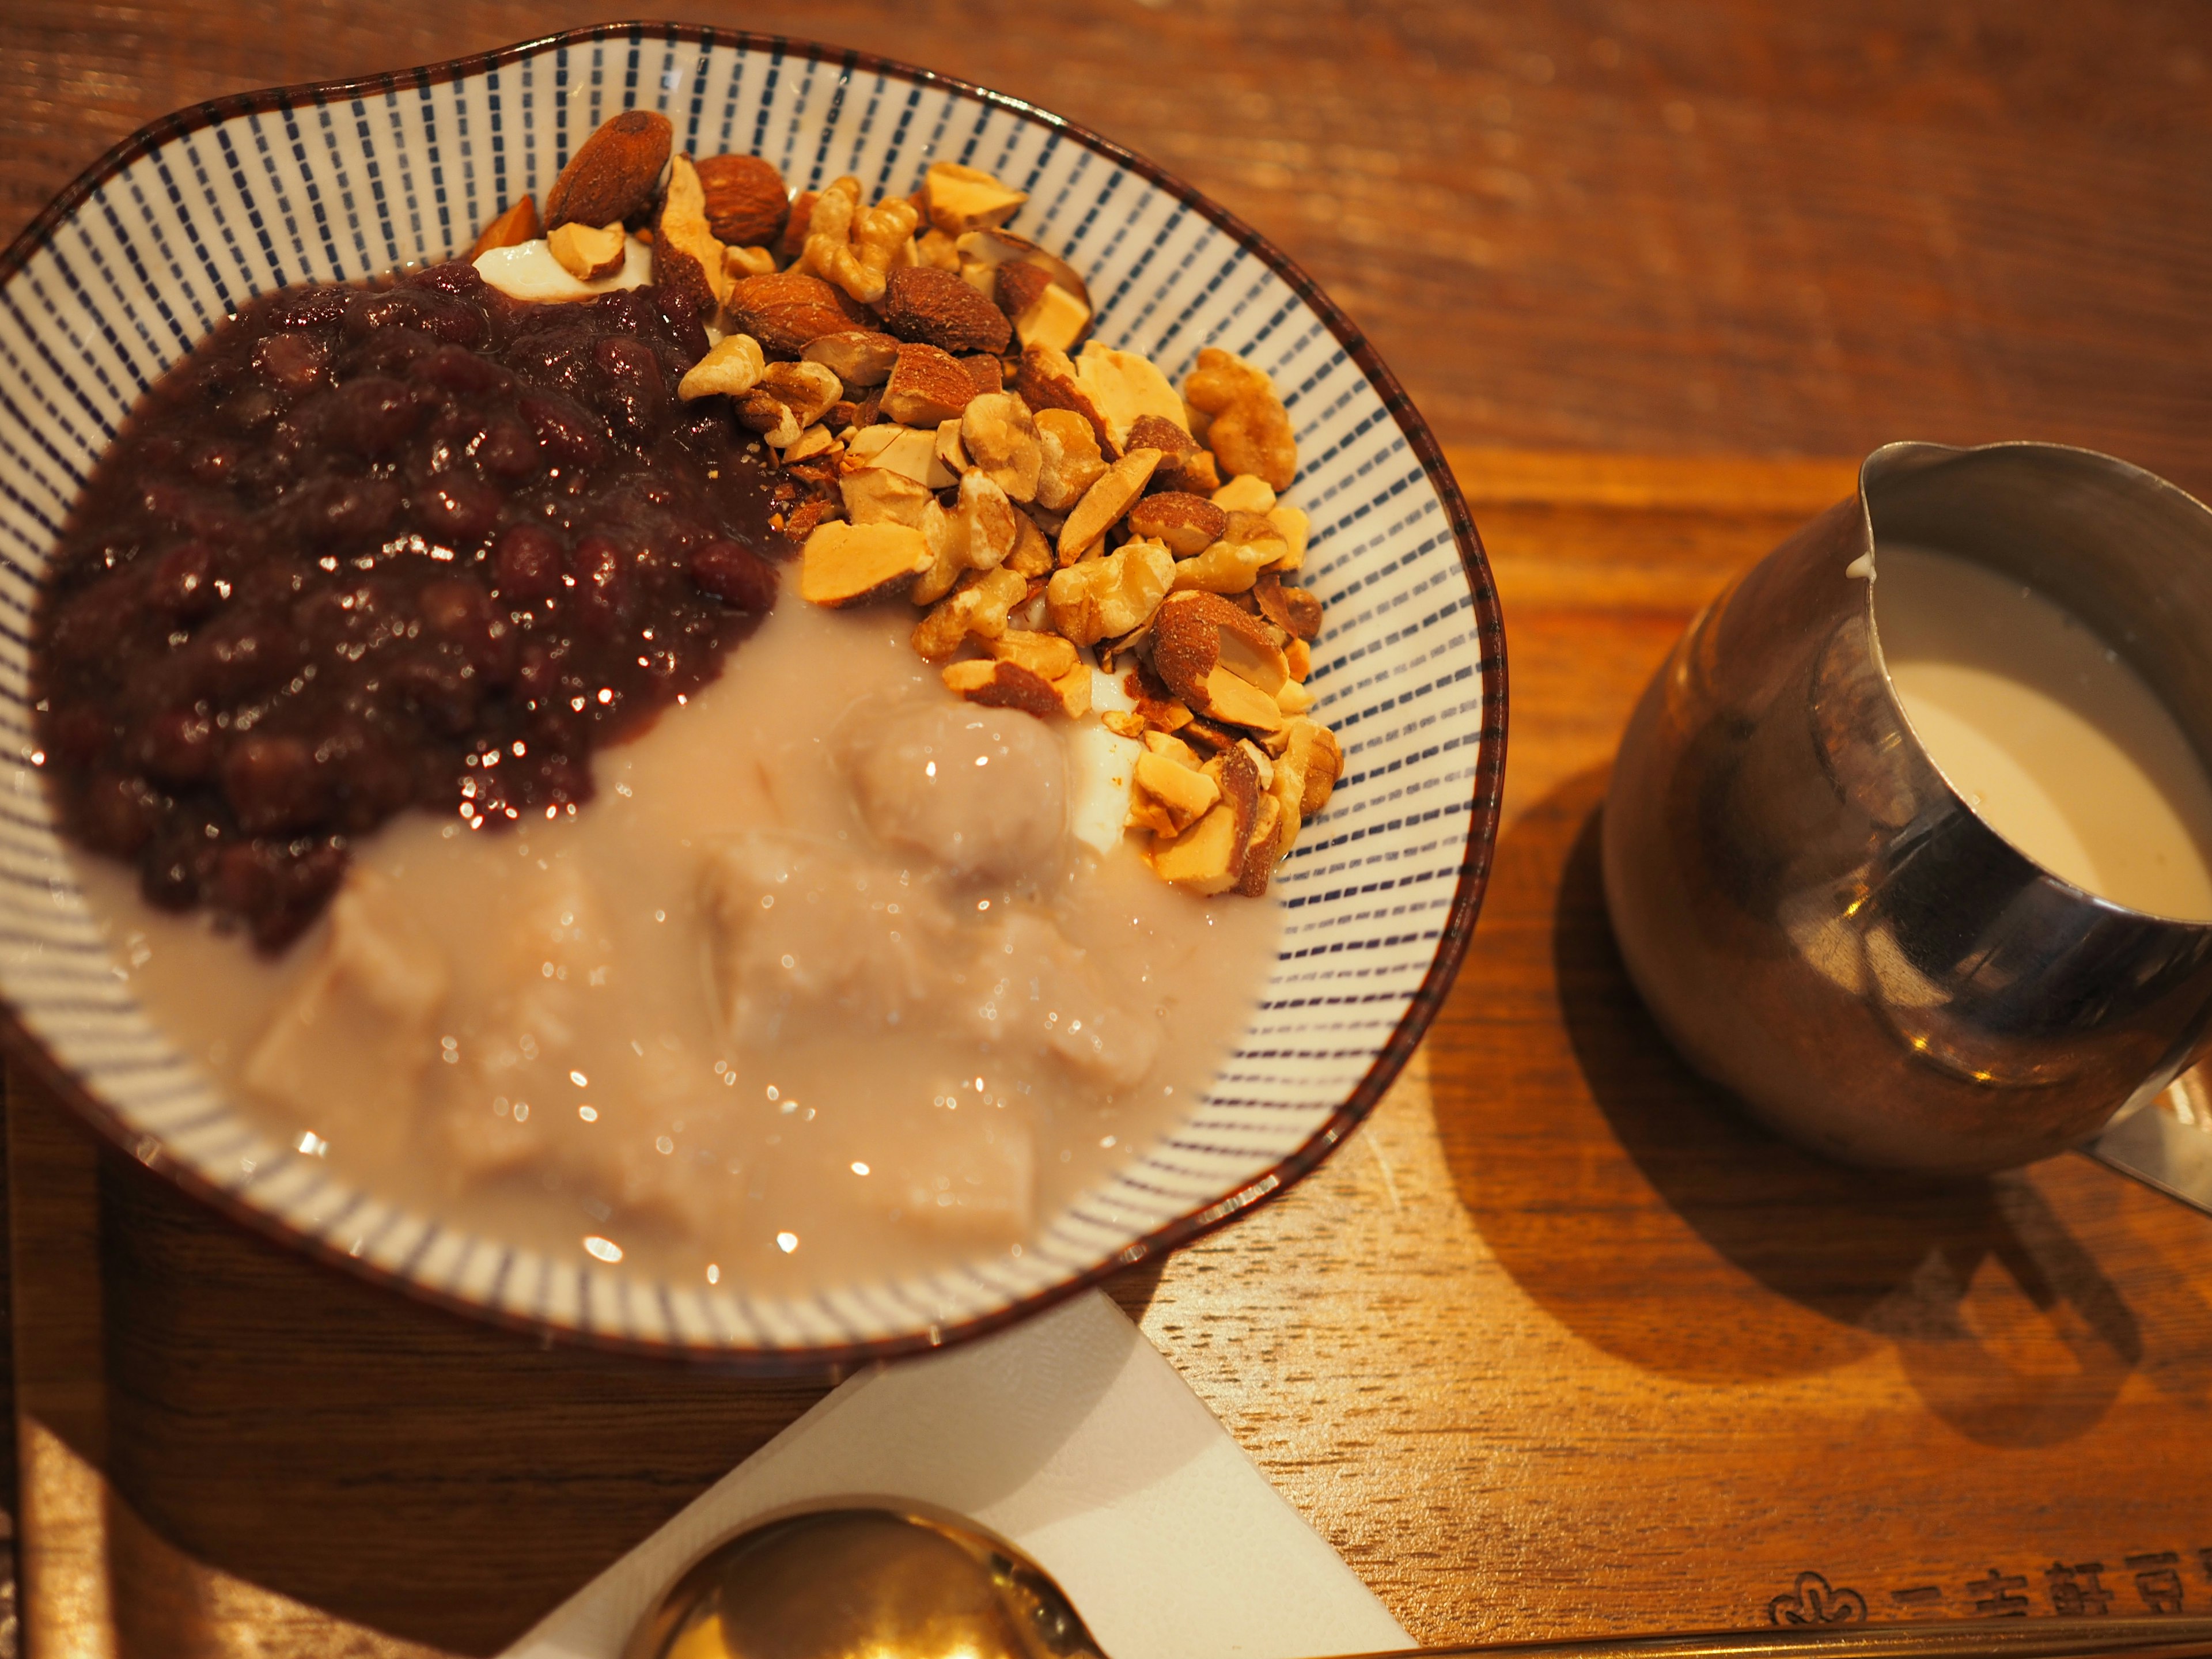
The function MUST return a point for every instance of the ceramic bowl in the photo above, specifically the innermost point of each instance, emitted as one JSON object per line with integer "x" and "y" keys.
{"x": 178, "y": 225}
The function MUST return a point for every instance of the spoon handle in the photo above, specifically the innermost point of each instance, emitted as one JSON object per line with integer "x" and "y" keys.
{"x": 2036, "y": 1638}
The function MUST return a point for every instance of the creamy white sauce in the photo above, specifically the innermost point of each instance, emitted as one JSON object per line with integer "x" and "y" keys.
{"x": 819, "y": 986}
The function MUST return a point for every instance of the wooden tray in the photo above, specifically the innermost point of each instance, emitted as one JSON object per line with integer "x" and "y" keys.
{"x": 1557, "y": 1344}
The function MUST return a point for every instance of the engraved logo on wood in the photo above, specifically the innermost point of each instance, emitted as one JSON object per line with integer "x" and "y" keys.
{"x": 1816, "y": 1601}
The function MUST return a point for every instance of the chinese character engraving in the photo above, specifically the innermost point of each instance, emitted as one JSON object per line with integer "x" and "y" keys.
{"x": 2157, "y": 1581}
{"x": 2075, "y": 1590}
{"x": 1920, "y": 1595}
{"x": 1816, "y": 1601}
{"x": 1994, "y": 1597}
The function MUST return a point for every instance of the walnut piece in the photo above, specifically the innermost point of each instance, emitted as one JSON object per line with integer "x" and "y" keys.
{"x": 1250, "y": 431}
{"x": 1069, "y": 461}
{"x": 978, "y": 607}
{"x": 977, "y": 534}
{"x": 731, "y": 367}
{"x": 1106, "y": 597}
{"x": 1249, "y": 546}
{"x": 1000, "y": 436}
{"x": 789, "y": 399}
{"x": 853, "y": 247}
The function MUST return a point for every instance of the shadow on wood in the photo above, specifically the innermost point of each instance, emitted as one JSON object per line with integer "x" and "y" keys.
{"x": 2004, "y": 1321}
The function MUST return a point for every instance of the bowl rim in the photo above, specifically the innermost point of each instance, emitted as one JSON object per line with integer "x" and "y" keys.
{"x": 1286, "y": 1172}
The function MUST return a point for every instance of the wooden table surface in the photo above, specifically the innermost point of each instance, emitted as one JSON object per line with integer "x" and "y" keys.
{"x": 1557, "y": 1344}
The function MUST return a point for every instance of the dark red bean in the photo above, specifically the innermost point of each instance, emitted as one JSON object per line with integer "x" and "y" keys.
{"x": 373, "y": 415}
{"x": 184, "y": 583}
{"x": 528, "y": 564}
{"x": 458, "y": 512}
{"x": 604, "y": 589}
{"x": 506, "y": 451}
{"x": 115, "y": 814}
{"x": 273, "y": 783}
{"x": 451, "y": 368}
{"x": 291, "y": 363}
{"x": 177, "y": 746}
{"x": 344, "y": 510}
{"x": 567, "y": 435}
{"x": 739, "y": 578}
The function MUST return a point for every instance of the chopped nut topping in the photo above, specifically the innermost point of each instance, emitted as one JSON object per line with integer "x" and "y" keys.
{"x": 1045, "y": 379}
{"x": 1032, "y": 555}
{"x": 685, "y": 254}
{"x": 1293, "y": 609}
{"x": 587, "y": 255}
{"x": 1250, "y": 431}
{"x": 1249, "y": 546}
{"x": 845, "y": 563}
{"x": 962, "y": 199}
{"x": 1104, "y": 598}
{"x": 977, "y": 534}
{"x": 1105, "y": 502}
{"x": 518, "y": 225}
{"x": 902, "y": 449}
{"x": 1000, "y": 436}
{"x": 1187, "y": 523}
{"x": 977, "y": 607}
{"x": 1169, "y": 794}
{"x": 1294, "y": 526}
{"x": 1123, "y": 388}
{"x": 875, "y": 494}
{"x": 859, "y": 357}
{"x": 1245, "y": 494}
{"x": 1185, "y": 465}
{"x": 746, "y": 202}
{"x": 731, "y": 367}
{"x": 856, "y": 247}
{"x": 739, "y": 263}
{"x": 1069, "y": 461}
{"x": 936, "y": 307}
{"x": 1003, "y": 685}
{"x": 927, "y": 385}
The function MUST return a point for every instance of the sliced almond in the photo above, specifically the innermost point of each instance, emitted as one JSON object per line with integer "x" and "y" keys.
{"x": 860, "y": 357}
{"x": 904, "y": 449}
{"x": 1220, "y": 660}
{"x": 958, "y": 199}
{"x": 1167, "y": 797}
{"x": 845, "y": 563}
{"x": 1003, "y": 685}
{"x": 1124, "y": 387}
{"x": 1209, "y": 856}
{"x": 685, "y": 252}
{"x": 1046, "y": 380}
{"x": 875, "y": 494}
{"x": 927, "y": 386}
{"x": 1055, "y": 318}
{"x": 1245, "y": 492}
{"x": 1187, "y": 523}
{"x": 518, "y": 225}
{"x": 1046, "y": 655}
{"x": 1295, "y": 528}
{"x": 1105, "y": 502}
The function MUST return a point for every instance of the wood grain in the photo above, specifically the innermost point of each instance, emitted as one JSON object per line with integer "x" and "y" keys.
{"x": 1557, "y": 1344}
{"x": 1663, "y": 226}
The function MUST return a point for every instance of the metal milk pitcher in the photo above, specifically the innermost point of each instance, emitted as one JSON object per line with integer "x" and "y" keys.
{"x": 1818, "y": 921}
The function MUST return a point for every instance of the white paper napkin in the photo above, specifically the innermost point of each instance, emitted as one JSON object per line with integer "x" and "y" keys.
{"x": 1069, "y": 1435}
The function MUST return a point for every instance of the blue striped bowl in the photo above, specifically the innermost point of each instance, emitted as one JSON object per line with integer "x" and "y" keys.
{"x": 177, "y": 226}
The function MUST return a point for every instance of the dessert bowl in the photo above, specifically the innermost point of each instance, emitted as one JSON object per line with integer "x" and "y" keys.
{"x": 178, "y": 225}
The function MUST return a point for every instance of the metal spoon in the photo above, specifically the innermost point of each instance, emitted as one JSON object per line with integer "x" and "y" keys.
{"x": 906, "y": 1584}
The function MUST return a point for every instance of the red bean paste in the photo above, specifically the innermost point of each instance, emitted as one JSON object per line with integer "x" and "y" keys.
{"x": 413, "y": 543}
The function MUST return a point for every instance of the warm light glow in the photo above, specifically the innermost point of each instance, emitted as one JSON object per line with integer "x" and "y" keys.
{"x": 787, "y": 1242}
{"x": 589, "y": 1114}
{"x": 605, "y": 1249}
{"x": 713, "y": 1274}
{"x": 860, "y": 1169}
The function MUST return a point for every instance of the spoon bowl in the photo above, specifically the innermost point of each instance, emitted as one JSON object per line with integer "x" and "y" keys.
{"x": 865, "y": 1584}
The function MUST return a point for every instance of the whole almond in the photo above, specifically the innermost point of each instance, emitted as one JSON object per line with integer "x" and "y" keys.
{"x": 1016, "y": 285}
{"x": 940, "y": 308}
{"x": 793, "y": 242}
{"x": 614, "y": 173}
{"x": 927, "y": 386}
{"x": 787, "y": 309}
{"x": 746, "y": 202}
